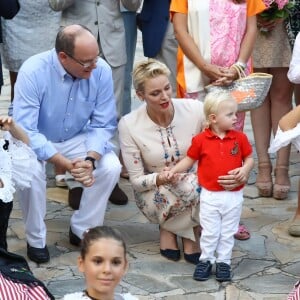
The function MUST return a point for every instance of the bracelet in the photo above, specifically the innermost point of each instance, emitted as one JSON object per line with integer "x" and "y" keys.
{"x": 241, "y": 65}
{"x": 92, "y": 160}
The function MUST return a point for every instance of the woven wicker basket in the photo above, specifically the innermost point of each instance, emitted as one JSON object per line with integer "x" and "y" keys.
{"x": 249, "y": 91}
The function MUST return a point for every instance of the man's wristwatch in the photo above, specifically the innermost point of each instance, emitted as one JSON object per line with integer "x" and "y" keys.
{"x": 92, "y": 159}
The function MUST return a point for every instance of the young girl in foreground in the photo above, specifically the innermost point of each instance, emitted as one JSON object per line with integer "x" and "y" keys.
{"x": 103, "y": 262}
{"x": 219, "y": 150}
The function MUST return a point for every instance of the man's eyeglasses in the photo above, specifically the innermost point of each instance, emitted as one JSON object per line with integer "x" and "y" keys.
{"x": 87, "y": 64}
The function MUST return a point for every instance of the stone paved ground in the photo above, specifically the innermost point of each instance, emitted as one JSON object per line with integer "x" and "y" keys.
{"x": 265, "y": 267}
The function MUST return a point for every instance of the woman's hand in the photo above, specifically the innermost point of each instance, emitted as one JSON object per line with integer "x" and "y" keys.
{"x": 230, "y": 74}
{"x": 165, "y": 177}
{"x": 213, "y": 72}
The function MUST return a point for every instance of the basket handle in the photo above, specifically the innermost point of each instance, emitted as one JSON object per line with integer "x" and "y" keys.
{"x": 261, "y": 74}
{"x": 239, "y": 70}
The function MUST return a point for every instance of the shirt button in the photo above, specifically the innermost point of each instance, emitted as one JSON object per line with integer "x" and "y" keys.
{"x": 96, "y": 23}
{"x": 66, "y": 129}
{"x": 98, "y": 3}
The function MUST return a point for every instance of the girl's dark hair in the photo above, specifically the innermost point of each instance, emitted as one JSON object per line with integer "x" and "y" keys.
{"x": 96, "y": 233}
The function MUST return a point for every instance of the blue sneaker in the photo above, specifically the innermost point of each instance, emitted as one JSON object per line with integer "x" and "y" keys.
{"x": 223, "y": 272}
{"x": 202, "y": 271}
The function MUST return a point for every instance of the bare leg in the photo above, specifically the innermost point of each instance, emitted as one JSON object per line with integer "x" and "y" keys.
{"x": 265, "y": 119}
{"x": 297, "y": 214}
{"x": 168, "y": 240}
{"x": 261, "y": 124}
{"x": 294, "y": 227}
{"x": 190, "y": 246}
{"x": 13, "y": 79}
{"x": 168, "y": 245}
{"x": 281, "y": 95}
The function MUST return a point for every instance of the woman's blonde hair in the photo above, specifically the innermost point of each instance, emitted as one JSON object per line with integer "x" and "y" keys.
{"x": 213, "y": 100}
{"x": 147, "y": 69}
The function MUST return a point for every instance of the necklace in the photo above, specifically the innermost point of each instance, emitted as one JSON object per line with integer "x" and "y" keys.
{"x": 87, "y": 294}
{"x": 162, "y": 123}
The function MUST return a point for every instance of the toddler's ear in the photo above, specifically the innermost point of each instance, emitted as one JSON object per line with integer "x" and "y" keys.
{"x": 211, "y": 118}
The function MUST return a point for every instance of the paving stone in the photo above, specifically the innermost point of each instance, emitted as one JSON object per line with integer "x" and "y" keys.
{"x": 269, "y": 284}
{"x": 248, "y": 267}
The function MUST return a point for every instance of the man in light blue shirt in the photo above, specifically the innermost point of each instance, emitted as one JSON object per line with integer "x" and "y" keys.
{"x": 64, "y": 100}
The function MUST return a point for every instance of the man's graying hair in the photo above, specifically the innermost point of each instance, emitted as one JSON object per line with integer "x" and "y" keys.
{"x": 65, "y": 38}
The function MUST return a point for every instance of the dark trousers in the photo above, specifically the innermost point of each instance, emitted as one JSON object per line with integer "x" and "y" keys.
{"x": 5, "y": 210}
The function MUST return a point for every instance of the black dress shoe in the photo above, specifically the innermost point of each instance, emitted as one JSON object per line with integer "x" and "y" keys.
{"x": 192, "y": 258}
{"x": 170, "y": 254}
{"x": 38, "y": 255}
{"x": 74, "y": 239}
{"x": 118, "y": 197}
{"x": 75, "y": 197}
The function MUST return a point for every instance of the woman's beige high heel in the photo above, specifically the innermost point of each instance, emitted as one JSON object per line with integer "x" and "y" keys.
{"x": 280, "y": 191}
{"x": 264, "y": 186}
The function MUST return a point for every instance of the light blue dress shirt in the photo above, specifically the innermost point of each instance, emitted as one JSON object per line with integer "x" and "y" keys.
{"x": 52, "y": 106}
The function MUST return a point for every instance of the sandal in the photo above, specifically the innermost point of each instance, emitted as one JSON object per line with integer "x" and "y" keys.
{"x": 280, "y": 191}
{"x": 60, "y": 180}
{"x": 242, "y": 233}
{"x": 264, "y": 179}
{"x": 294, "y": 227}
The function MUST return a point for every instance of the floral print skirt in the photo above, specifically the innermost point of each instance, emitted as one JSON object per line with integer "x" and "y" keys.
{"x": 174, "y": 206}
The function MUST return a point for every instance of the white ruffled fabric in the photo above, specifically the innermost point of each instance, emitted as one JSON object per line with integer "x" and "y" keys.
{"x": 7, "y": 191}
{"x": 284, "y": 138}
{"x": 83, "y": 296}
{"x": 16, "y": 167}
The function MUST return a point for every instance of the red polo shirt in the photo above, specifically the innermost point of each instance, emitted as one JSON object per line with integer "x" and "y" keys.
{"x": 218, "y": 156}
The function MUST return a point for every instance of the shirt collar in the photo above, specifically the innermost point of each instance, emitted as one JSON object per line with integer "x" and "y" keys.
{"x": 58, "y": 66}
{"x": 209, "y": 134}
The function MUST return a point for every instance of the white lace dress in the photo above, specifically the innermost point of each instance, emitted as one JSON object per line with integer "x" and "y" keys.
{"x": 16, "y": 166}
{"x": 284, "y": 138}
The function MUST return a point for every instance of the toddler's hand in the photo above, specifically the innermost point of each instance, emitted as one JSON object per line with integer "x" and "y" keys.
{"x": 240, "y": 175}
{"x": 6, "y": 123}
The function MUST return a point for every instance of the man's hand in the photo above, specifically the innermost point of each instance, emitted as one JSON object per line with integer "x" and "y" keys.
{"x": 83, "y": 172}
